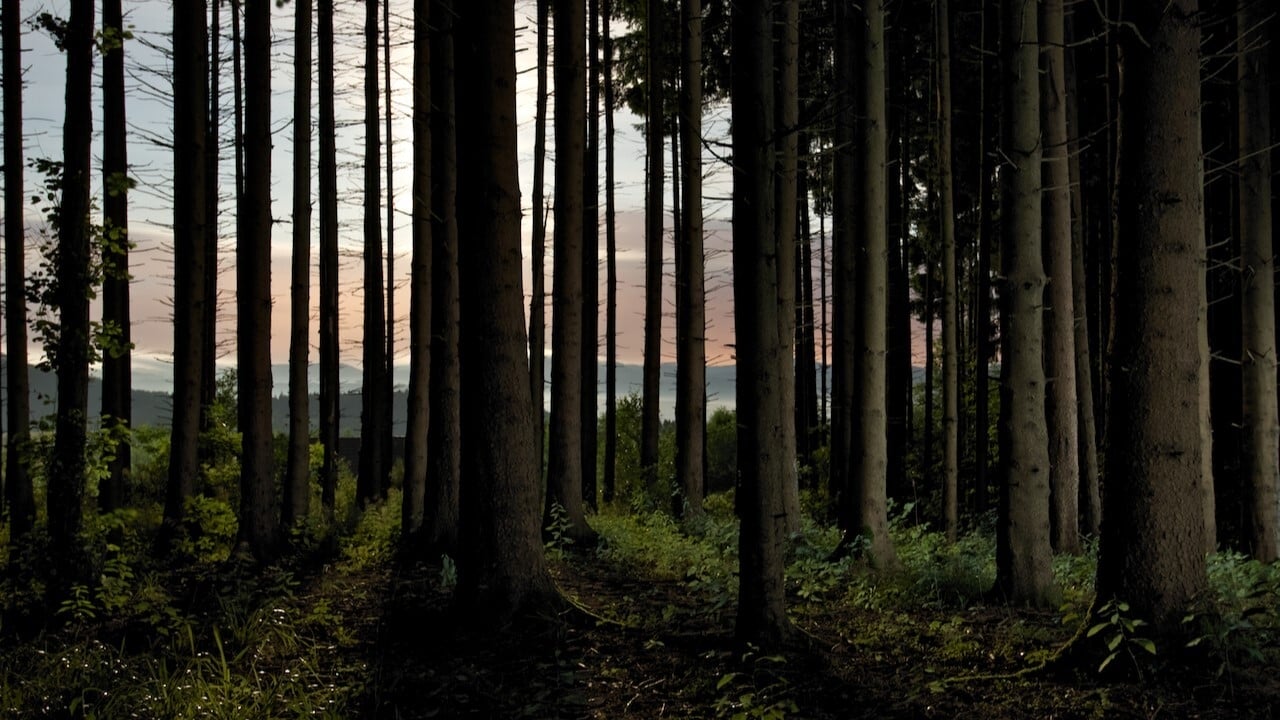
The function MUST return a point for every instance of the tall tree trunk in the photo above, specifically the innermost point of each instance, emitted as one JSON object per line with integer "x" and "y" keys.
{"x": 611, "y": 269}
{"x": 950, "y": 299}
{"x": 691, "y": 351}
{"x": 67, "y": 470}
{"x": 421, "y": 268}
{"x": 1152, "y": 549}
{"x": 844, "y": 203}
{"x": 330, "y": 393}
{"x": 867, "y": 503}
{"x": 389, "y": 379}
{"x": 501, "y": 570}
{"x": 763, "y": 368}
{"x": 209, "y": 320}
{"x": 538, "y": 296}
{"x": 787, "y": 110}
{"x": 1062, "y": 417}
{"x": 191, "y": 235}
{"x": 19, "y": 496}
{"x": 297, "y": 480}
{"x": 1024, "y": 573}
{"x": 440, "y": 521}
{"x": 258, "y": 528}
{"x": 564, "y": 460}
{"x": 1261, "y": 430}
{"x": 591, "y": 260}
{"x": 649, "y": 420}
{"x": 988, "y": 141}
{"x": 117, "y": 359}
{"x": 371, "y": 478}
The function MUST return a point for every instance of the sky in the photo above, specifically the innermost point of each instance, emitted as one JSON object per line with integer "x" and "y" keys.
{"x": 150, "y": 118}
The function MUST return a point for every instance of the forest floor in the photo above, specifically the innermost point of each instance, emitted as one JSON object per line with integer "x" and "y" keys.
{"x": 351, "y": 632}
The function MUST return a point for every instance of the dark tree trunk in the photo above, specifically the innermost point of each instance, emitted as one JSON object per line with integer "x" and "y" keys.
{"x": 691, "y": 353}
{"x": 440, "y": 521}
{"x": 371, "y": 480}
{"x": 421, "y": 267}
{"x": 649, "y": 421}
{"x": 591, "y": 261}
{"x": 611, "y": 269}
{"x": 389, "y": 379}
{"x": 787, "y": 111}
{"x": 501, "y": 570}
{"x": 1153, "y": 532}
{"x": 950, "y": 290}
{"x": 19, "y": 496}
{"x": 258, "y": 517}
{"x": 66, "y": 479}
{"x": 538, "y": 294}
{"x": 191, "y": 235}
{"x": 844, "y": 199}
{"x": 209, "y": 320}
{"x": 117, "y": 358}
{"x": 297, "y": 476}
{"x": 328, "y": 169}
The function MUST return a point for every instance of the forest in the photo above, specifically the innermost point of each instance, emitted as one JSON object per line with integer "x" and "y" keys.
{"x": 1004, "y": 436}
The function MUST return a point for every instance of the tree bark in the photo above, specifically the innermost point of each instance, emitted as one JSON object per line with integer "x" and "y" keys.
{"x": 844, "y": 203}
{"x": 209, "y": 321}
{"x": 117, "y": 376}
{"x": 258, "y": 527}
{"x": 950, "y": 299}
{"x": 19, "y": 496}
{"x": 1024, "y": 573}
{"x": 191, "y": 235}
{"x": 389, "y": 379}
{"x": 591, "y": 261}
{"x": 66, "y": 472}
{"x": 1061, "y": 414}
{"x": 649, "y": 421}
{"x": 611, "y": 269}
{"x": 1261, "y": 428}
{"x": 538, "y": 296}
{"x": 501, "y": 570}
{"x": 787, "y": 109}
{"x": 763, "y": 368}
{"x": 1153, "y": 540}
{"x": 421, "y": 268}
{"x": 297, "y": 480}
{"x": 691, "y": 352}
{"x": 328, "y": 170}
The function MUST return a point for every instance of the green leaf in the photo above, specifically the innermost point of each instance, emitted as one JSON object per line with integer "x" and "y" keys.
{"x": 1114, "y": 642}
{"x": 1097, "y": 629}
{"x": 725, "y": 680}
{"x": 1106, "y": 661}
{"x": 1145, "y": 644}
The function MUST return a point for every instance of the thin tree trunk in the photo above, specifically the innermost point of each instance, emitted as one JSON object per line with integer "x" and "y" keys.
{"x": 787, "y": 108}
{"x": 1024, "y": 573}
{"x": 564, "y": 458}
{"x": 538, "y": 296}
{"x": 649, "y": 421}
{"x": 844, "y": 198}
{"x": 611, "y": 269}
{"x": 371, "y": 478}
{"x": 67, "y": 469}
{"x": 1261, "y": 428}
{"x": 117, "y": 359}
{"x": 258, "y": 519}
{"x": 986, "y": 237}
{"x": 328, "y": 167}
{"x": 422, "y": 347}
{"x": 591, "y": 261}
{"x": 209, "y": 321}
{"x": 297, "y": 481}
{"x": 19, "y": 495}
{"x": 691, "y": 358}
{"x": 191, "y": 235}
{"x": 950, "y": 299}
{"x": 389, "y": 380}
{"x": 440, "y": 523}
{"x": 501, "y": 570}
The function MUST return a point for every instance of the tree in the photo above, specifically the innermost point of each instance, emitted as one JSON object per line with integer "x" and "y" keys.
{"x": 538, "y": 294}
{"x": 1061, "y": 413}
{"x": 611, "y": 269}
{"x": 191, "y": 235}
{"x": 19, "y": 496}
{"x": 66, "y": 488}
{"x": 1023, "y": 553}
{"x": 1152, "y": 549}
{"x": 297, "y": 480}
{"x": 653, "y": 123}
{"x": 591, "y": 260}
{"x": 117, "y": 380}
{"x": 501, "y": 569}
{"x": 691, "y": 356}
{"x": 762, "y": 367}
{"x": 844, "y": 198}
{"x": 1261, "y": 426}
{"x": 787, "y": 108}
{"x": 418, "y": 418}
{"x": 328, "y": 167}
{"x": 209, "y": 327}
{"x": 440, "y": 522}
{"x": 374, "y": 453}
{"x": 564, "y": 462}
{"x": 388, "y": 384}
{"x": 258, "y": 520}
{"x": 950, "y": 301}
